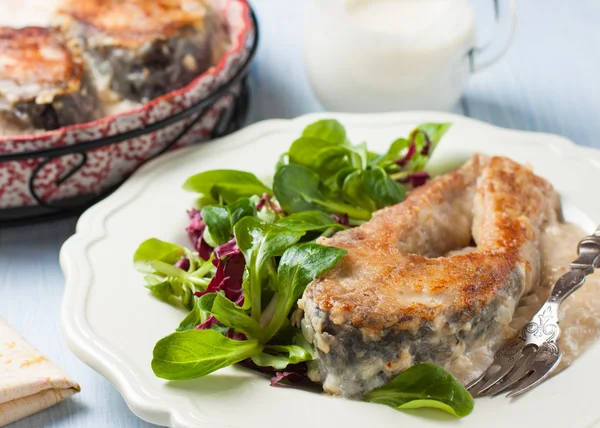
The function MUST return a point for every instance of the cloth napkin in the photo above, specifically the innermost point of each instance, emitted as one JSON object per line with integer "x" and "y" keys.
{"x": 29, "y": 382}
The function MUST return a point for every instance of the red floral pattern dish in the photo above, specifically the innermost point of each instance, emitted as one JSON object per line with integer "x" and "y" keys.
{"x": 108, "y": 165}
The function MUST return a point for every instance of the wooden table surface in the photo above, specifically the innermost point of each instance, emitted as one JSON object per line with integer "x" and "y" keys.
{"x": 549, "y": 81}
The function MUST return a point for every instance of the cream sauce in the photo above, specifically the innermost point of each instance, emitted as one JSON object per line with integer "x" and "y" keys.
{"x": 579, "y": 314}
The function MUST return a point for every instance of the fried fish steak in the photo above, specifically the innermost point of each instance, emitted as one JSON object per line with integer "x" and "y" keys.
{"x": 403, "y": 296}
{"x": 142, "y": 49}
{"x": 43, "y": 84}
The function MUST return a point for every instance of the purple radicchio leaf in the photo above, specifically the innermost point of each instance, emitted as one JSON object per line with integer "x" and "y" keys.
{"x": 207, "y": 324}
{"x": 228, "y": 278}
{"x": 183, "y": 263}
{"x": 289, "y": 377}
{"x": 293, "y": 373}
{"x": 344, "y": 220}
{"x": 195, "y": 231}
{"x": 416, "y": 179}
{"x": 412, "y": 150}
{"x": 204, "y": 250}
{"x": 229, "y": 248}
{"x": 236, "y": 336}
{"x": 262, "y": 201}
{"x": 267, "y": 201}
{"x": 427, "y": 147}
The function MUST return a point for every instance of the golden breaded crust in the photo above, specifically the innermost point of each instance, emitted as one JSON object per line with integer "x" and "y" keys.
{"x": 35, "y": 56}
{"x": 395, "y": 275}
{"x": 131, "y": 23}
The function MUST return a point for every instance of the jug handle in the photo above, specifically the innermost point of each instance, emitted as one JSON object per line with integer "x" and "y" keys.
{"x": 482, "y": 57}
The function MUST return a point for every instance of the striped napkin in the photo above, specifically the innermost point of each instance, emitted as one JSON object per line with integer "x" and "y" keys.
{"x": 29, "y": 382}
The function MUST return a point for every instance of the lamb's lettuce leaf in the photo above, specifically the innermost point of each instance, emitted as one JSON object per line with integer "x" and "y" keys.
{"x": 321, "y": 156}
{"x": 424, "y": 385}
{"x": 306, "y": 221}
{"x": 280, "y": 356}
{"x": 298, "y": 188}
{"x": 229, "y": 314}
{"x": 152, "y": 250}
{"x": 220, "y": 219}
{"x": 329, "y": 130}
{"x": 195, "y": 353}
{"x": 159, "y": 260}
{"x": 299, "y": 265}
{"x": 259, "y": 242}
{"x": 225, "y": 185}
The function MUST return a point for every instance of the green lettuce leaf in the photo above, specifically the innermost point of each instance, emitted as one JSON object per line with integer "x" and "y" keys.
{"x": 424, "y": 385}
{"x": 195, "y": 353}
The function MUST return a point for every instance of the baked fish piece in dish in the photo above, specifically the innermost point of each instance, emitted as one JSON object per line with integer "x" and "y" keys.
{"x": 404, "y": 295}
{"x": 43, "y": 84}
{"x": 142, "y": 49}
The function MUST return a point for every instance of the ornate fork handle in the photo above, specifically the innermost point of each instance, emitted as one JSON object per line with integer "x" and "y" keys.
{"x": 543, "y": 327}
{"x": 588, "y": 253}
{"x": 518, "y": 371}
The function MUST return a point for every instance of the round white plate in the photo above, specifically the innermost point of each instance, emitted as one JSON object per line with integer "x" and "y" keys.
{"x": 111, "y": 322}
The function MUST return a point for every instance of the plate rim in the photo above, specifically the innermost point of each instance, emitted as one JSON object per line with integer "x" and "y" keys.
{"x": 76, "y": 331}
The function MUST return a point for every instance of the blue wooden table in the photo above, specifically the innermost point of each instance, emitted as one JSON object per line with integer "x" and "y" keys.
{"x": 549, "y": 81}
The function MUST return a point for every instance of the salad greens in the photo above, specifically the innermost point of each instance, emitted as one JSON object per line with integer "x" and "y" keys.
{"x": 225, "y": 185}
{"x": 328, "y": 130}
{"x": 323, "y": 171}
{"x": 166, "y": 277}
{"x": 260, "y": 242}
{"x": 299, "y": 188}
{"x": 310, "y": 220}
{"x": 424, "y": 385}
{"x": 299, "y": 265}
{"x": 220, "y": 219}
{"x": 196, "y": 353}
{"x": 254, "y": 253}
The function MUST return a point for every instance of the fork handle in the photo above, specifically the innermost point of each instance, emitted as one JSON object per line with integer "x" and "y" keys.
{"x": 587, "y": 260}
{"x": 543, "y": 327}
{"x": 588, "y": 252}
{"x": 567, "y": 285}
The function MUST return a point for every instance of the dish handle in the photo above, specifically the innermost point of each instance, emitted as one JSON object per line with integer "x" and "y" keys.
{"x": 506, "y": 16}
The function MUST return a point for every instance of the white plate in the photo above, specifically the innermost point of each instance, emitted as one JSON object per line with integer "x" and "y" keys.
{"x": 111, "y": 322}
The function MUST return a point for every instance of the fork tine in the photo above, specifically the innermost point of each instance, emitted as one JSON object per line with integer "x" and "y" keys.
{"x": 506, "y": 358}
{"x": 547, "y": 359}
{"x": 475, "y": 381}
{"x": 514, "y": 377}
{"x": 530, "y": 382}
{"x": 534, "y": 369}
{"x": 516, "y": 374}
{"x": 487, "y": 381}
{"x": 483, "y": 388}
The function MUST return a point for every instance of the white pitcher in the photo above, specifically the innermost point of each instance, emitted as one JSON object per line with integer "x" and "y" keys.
{"x": 386, "y": 55}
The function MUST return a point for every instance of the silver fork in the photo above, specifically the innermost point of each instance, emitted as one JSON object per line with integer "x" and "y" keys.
{"x": 527, "y": 360}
